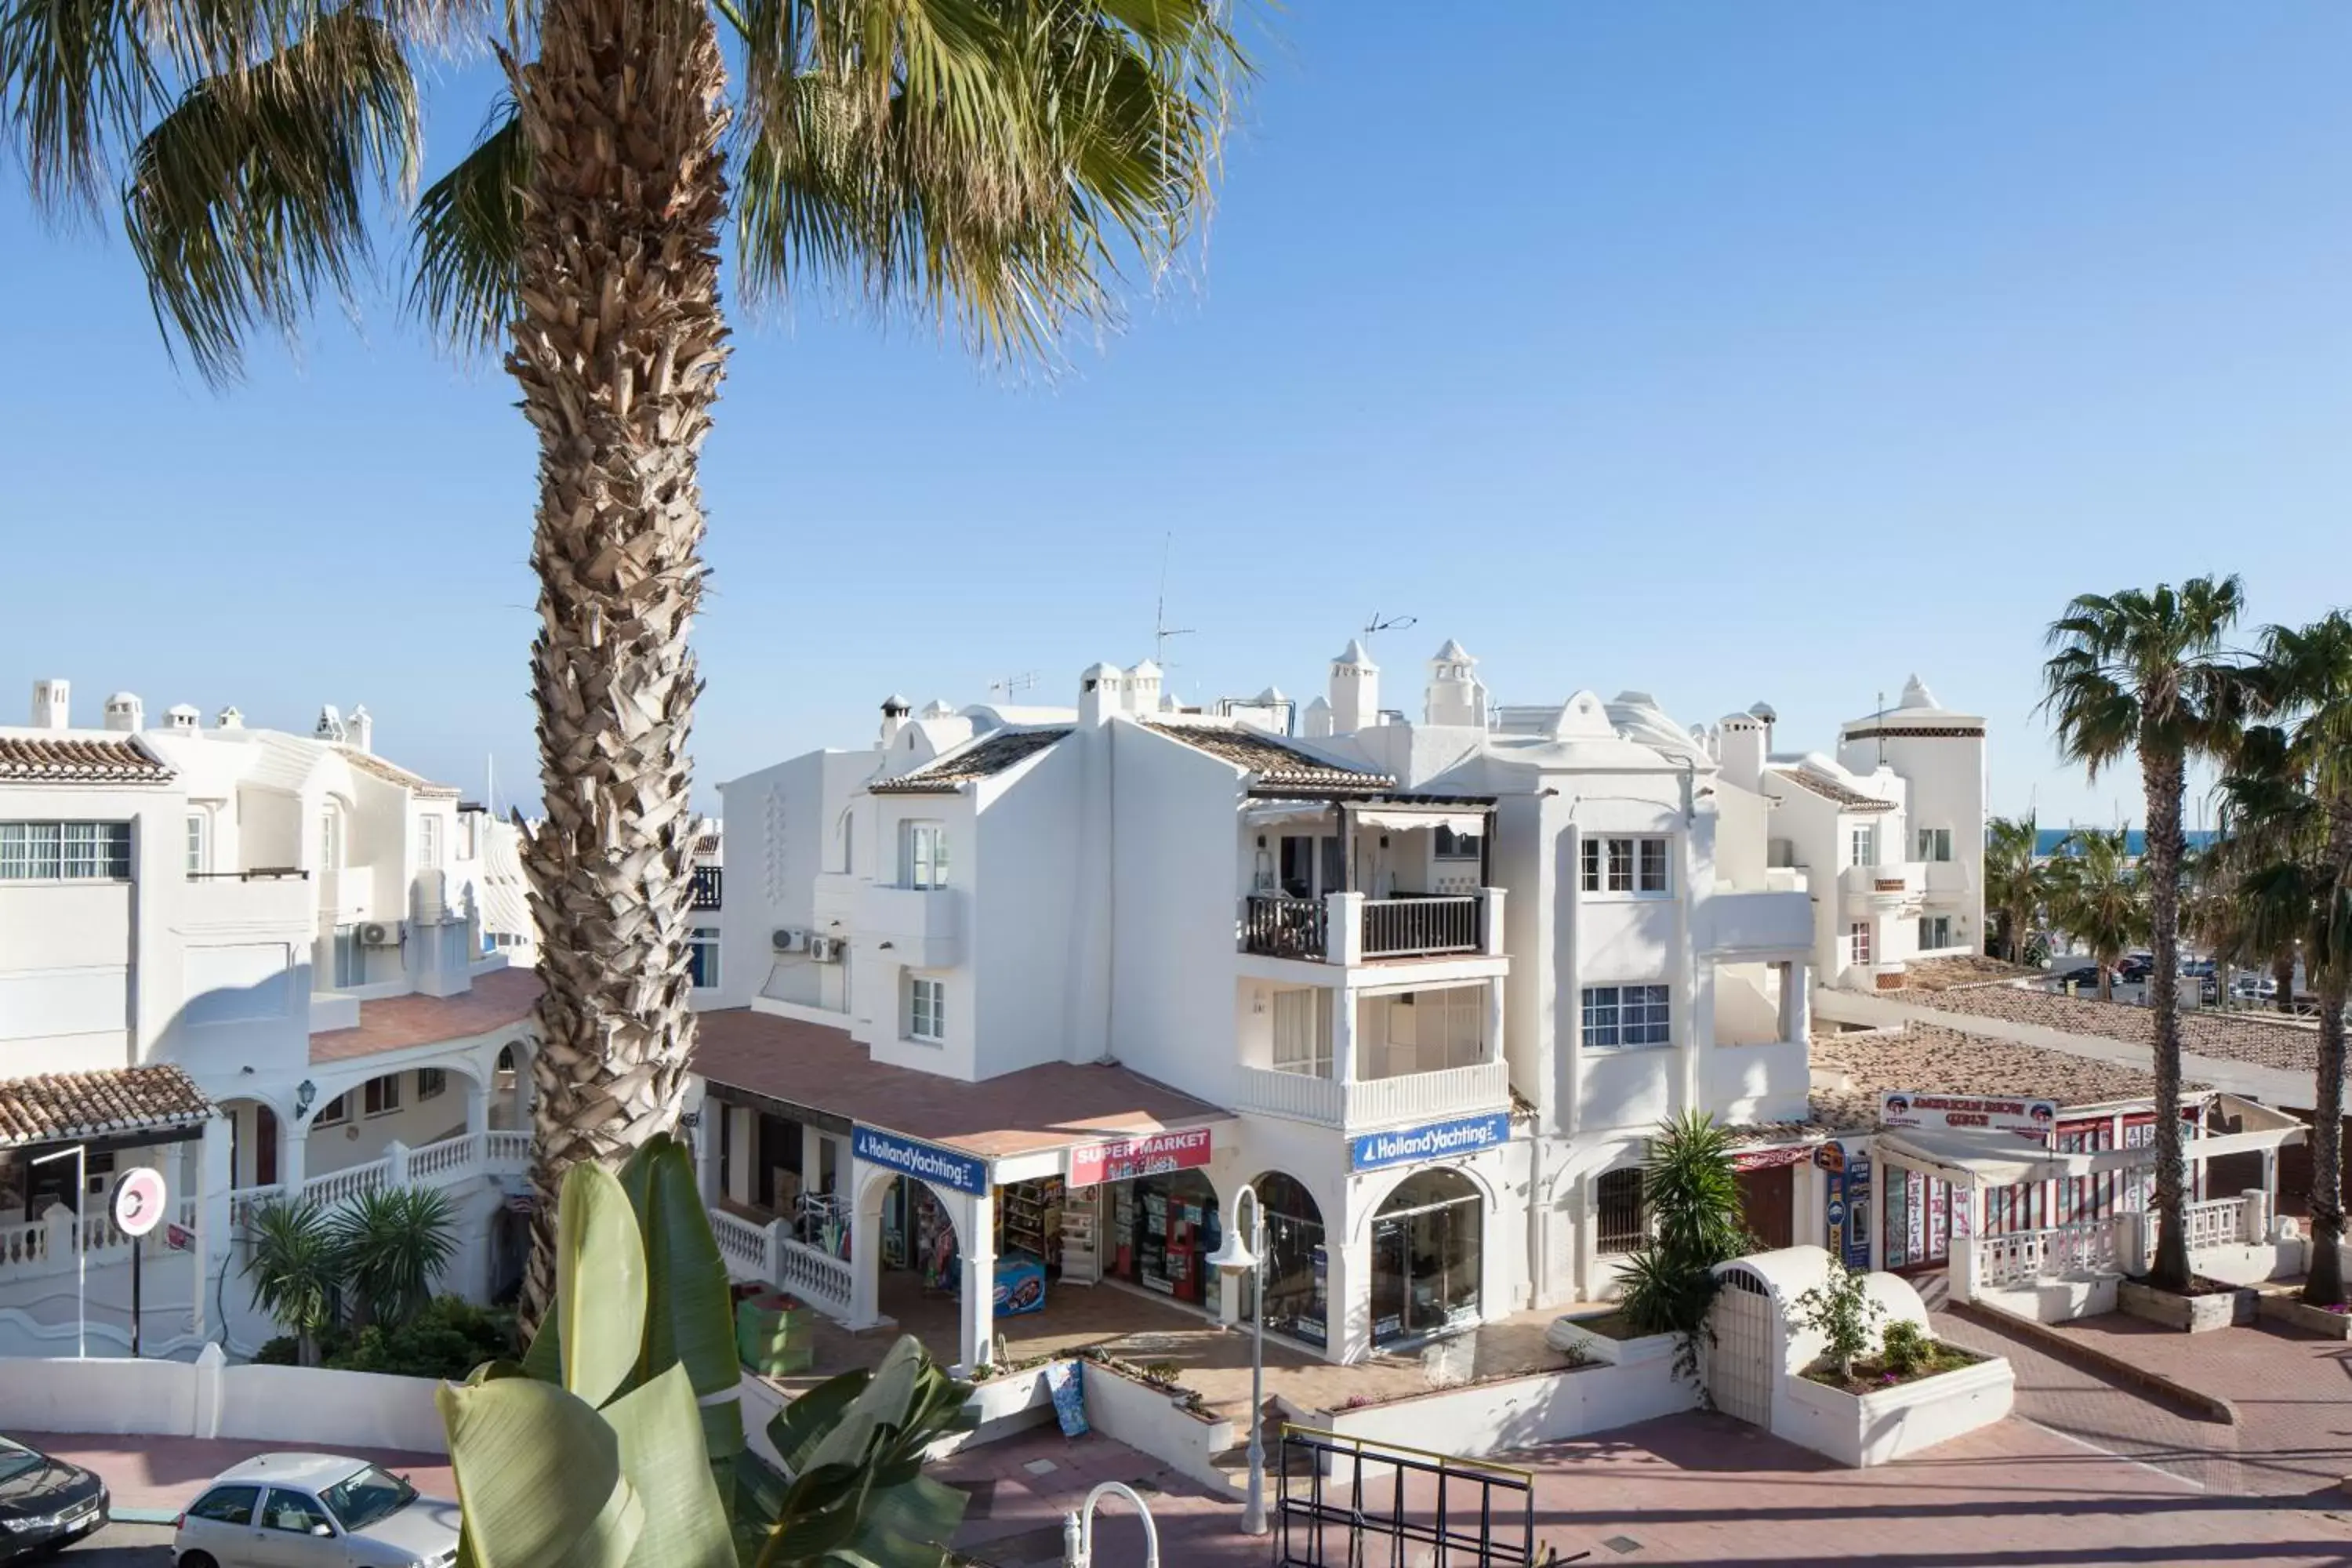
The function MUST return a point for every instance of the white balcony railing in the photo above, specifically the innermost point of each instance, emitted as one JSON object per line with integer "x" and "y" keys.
{"x": 24, "y": 1244}
{"x": 768, "y": 1254}
{"x": 1376, "y": 1102}
{"x": 2020, "y": 1258}
{"x": 743, "y": 1244}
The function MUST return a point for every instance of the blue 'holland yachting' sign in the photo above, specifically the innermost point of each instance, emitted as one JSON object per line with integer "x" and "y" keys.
{"x": 1434, "y": 1140}
{"x": 928, "y": 1160}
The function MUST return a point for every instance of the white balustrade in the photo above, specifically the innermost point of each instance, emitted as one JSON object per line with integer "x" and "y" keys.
{"x": 336, "y": 1187}
{"x": 817, "y": 1277}
{"x": 742, "y": 1244}
{"x": 2022, "y": 1258}
{"x": 246, "y": 1201}
{"x": 2219, "y": 1222}
{"x": 509, "y": 1149}
{"x": 24, "y": 1246}
{"x": 452, "y": 1159}
{"x": 1381, "y": 1101}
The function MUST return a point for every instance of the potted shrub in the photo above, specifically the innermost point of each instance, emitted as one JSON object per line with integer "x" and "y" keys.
{"x": 1874, "y": 1394}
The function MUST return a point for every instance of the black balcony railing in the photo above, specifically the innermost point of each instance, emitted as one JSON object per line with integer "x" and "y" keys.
{"x": 1413, "y": 928}
{"x": 1283, "y": 928}
{"x": 706, "y": 885}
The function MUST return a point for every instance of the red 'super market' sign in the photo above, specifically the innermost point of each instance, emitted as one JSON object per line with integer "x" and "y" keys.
{"x": 1130, "y": 1157}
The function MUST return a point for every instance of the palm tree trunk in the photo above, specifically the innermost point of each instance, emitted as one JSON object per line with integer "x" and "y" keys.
{"x": 2324, "y": 1284}
{"x": 2163, "y": 772}
{"x": 618, "y": 354}
{"x": 2283, "y": 979}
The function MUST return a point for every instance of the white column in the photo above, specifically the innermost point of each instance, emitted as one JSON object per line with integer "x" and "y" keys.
{"x": 2269, "y": 1176}
{"x": 395, "y": 1163}
{"x": 2258, "y": 1216}
{"x": 1492, "y": 945}
{"x": 293, "y": 1149}
{"x": 477, "y": 1109}
{"x": 706, "y": 1152}
{"x": 215, "y": 1180}
{"x": 1343, "y": 928}
{"x": 1348, "y": 1311}
{"x": 976, "y": 1229}
{"x": 1494, "y": 1042}
{"x": 865, "y": 1251}
{"x": 1343, "y": 1035}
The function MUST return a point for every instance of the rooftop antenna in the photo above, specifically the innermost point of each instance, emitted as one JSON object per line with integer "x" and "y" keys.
{"x": 1881, "y": 728}
{"x": 490, "y": 784}
{"x": 1374, "y": 624}
{"x": 1009, "y": 685}
{"x": 1161, "y": 630}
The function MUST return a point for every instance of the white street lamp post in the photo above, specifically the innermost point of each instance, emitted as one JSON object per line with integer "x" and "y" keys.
{"x": 1079, "y": 1529}
{"x": 1239, "y": 1256}
{"x": 81, "y": 1245}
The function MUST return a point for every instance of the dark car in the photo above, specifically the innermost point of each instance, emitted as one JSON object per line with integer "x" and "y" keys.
{"x": 43, "y": 1502}
{"x": 2078, "y": 974}
{"x": 2139, "y": 966}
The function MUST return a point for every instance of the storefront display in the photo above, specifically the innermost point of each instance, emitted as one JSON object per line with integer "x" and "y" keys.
{"x": 1020, "y": 1285}
{"x": 1428, "y": 1247}
{"x": 917, "y": 1234}
{"x": 1164, "y": 1228}
{"x": 1029, "y": 1220}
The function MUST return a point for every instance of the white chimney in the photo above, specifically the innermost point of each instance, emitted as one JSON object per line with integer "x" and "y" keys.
{"x": 1100, "y": 694}
{"x": 231, "y": 718}
{"x": 1355, "y": 689}
{"x": 330, "y": 724}
{"x": 1740, "y": 748}
{"x": 1143, "y": 688}
{"x": 1455, "y": 695}
{"x": 52, "y": 705}
{"x": 124, "y": 714}
{"x": 183, "y": 717}
{"x": 894, "y": 709}
{"x": 360, "y": 727}
{"x": 1316, "y": 722}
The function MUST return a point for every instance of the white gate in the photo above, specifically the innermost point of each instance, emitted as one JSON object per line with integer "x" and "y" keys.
{"x": 1740, "y": 1370}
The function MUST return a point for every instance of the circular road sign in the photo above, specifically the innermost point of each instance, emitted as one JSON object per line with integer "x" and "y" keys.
{"x": 139, "y": 1199}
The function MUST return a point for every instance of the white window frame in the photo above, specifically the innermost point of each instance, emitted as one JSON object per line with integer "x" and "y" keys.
{"x": 1302, "y": 1031}
{"x": 923, "y": 855}
{"x": 1612, "y": 1013}
{"x": 1930, "y": 940}
{"x": 200, "y": 843}
{"x": 65, "y": 851}
{"x": 428, "y": 841}
{"x": 1627, "y": 866}
{"x": 702, "y": 943}
{"x": 1857, "y": 942}
{"x": 1862, "y": 844}
{"x": 385, "y": 1093}
{"x": 926, "y": 1009}
{"x": 330, "y": 840}
{"x": 1935, "y": 844}
{"x": 335, "y": 1113}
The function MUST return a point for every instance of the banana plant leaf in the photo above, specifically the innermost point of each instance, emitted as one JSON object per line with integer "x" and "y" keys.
{"x": 689, "y": 1310}
{"x": 539, "y": 1474}
{"x": 659, "y": 1429}
{"x": 600, "y": 1285}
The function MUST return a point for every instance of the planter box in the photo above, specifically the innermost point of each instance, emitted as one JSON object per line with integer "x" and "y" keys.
{"x": 2299, "y": 1314}
{"x": 1149, "y": 1418}
{"x": 1876, "y": 1429}
{"x": 1599, "y": 1348}
{"x": 1496, "y": 1418}
{"x": 2192, "y": 1314}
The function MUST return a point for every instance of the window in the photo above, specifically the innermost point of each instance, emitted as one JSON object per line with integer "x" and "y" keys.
{"x": 1625, "y": 864}
{"x": 702, "y": 956}
{"x": 349, "y": 966}
{"x": 65, "y": 851}
{"x": 199, "y": 844}
{"x": 1862, "y": 843}
{"x": 1617, "y": 1016}
{"x": 368, "y": 1497}
{"x": 926, "y": 1009}
{"x": 1453, "y": 846}
{"x": 1934, "y": 844}
{"x": 1619, "y": 1225}
{"x": 431, "y": 1083}
{"x": 330, "y": 841}
{"x": 1934, "y": 932}
{"x": 1302, "y": 1032}
{"x": 335, "y": 1113}
{"x": 382, "y": 1095}
{"x": 923, "y": 855}
{"x": 1430, "y": 1031}
{"x": 428, "y": 842}
{"x": 293, "y": 1513}
{"x": 1858, "y": 942}
{"x": 226, "y": 1505}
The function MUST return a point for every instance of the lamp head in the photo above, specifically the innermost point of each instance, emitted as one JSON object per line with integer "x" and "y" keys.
{"x": 1232, "y": 1256}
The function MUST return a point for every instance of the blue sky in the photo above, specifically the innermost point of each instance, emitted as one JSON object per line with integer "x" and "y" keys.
{"x": 1724, "y": 350}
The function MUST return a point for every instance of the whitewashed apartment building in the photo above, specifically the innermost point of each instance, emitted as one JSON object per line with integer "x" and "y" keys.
{"x": 1427, "y": 984}
{"x": 258, "y": 962}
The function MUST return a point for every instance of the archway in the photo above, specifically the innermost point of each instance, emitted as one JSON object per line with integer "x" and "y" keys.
{"x": 1428, "y": 1251}
{"x": 511, "y": 1088}
{"x": 1297, "y": 1262}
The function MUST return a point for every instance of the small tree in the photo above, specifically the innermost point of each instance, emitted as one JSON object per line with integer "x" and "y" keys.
{"x": 1840, "y": 1308}
{"x": 295, "y": 1267}
{"x": 1692, "y": 1199}
{"x": 392, "y": 1243}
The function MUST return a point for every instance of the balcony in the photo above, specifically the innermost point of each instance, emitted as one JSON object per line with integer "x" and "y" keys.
{"x": 707, "y": 885}
{"x": 921, "y": 927}
{"x": 280, "y": 902}
{"x": 1376, "y": 1102}
{"x": 1757, "y": 922}
{"x": 1947, "y": 878}
{"x": 1348, "y": 928}
{"x": 1884, "y": 890}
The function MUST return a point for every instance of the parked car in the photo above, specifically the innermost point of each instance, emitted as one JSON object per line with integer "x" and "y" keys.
{"x": 2197, "y": 966}
{"x": 294, "y": 1510}
{"x": 2076, "y": 974}
{"x": 45, "y": 1502}
{"x": 2249, "y": 987}
{"x": 2135, "y": 966}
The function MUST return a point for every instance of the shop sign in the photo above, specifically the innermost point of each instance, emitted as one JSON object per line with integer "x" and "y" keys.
{"x": 1129, "y": 1158}
{"x": 1857, "y": 1198}
{"x": 915, "y": 1158}
{"x": 2030, "y": 1119}
{"x": 1435, "y": 1140}
{"x": 1770, "y": 1159}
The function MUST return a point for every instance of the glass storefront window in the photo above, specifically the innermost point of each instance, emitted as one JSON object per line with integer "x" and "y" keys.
{"x": 1428, "y": 1244}
{"x": 1298, "y": 1271}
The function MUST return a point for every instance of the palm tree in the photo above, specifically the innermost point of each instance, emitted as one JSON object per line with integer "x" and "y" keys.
{"x": 2142, "y": 674}
{"x": 2100, "y": 900}
{"x": 984, "y": 163}
{"x": 296, "y": 1269}
{"x": 2291, "y": 793}
{"x": 392, "y": 1242}
{"x": 2017, "y": 880}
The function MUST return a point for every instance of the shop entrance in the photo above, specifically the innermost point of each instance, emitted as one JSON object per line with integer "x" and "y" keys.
{"x": 1919, "y": 1209}
{"x": 918, "y": 1236}
{"x": 1768, "y": 1203}
{"x": 1161, "y": 1231}
{"x": 1428, "y": 1247}
{"x": 1297, "y": 1267}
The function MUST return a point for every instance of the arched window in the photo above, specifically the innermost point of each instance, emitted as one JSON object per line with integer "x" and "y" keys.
{"x": 1428, "y": 1249}
{"x": 1619, "y": 1223}
{"x": 1298, "y": 1268}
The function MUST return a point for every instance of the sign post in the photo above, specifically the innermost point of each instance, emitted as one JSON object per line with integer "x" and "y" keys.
{"x": 139, "y": 1198}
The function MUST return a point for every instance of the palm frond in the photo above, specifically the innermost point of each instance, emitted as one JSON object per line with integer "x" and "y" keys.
{"x": 76, "y": 79}
{"x": 469, "y": 239}
{"x": 250, "y": 197}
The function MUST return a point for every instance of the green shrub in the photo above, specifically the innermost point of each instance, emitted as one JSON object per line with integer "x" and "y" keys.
{"x": 1906, "y": 1348}
{"x": 447, "y": 1339}
{"x": 1842, "y": 1309}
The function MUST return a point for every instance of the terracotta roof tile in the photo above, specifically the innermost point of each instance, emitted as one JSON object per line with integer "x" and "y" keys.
{"x": 501, "y": 997}
{"x": 34, "y": 759}
{"x": 1831, "y": 790}
{"x": 1274, "y": 763}
{"x": 393, "y": 772}
{"x": 983, "y": 759}
{"x": 57, "y": 1106}
{"x": 2251, "y": 1038}
{"x": 1970, "y": 968}
{"x": 1931, "y": 1058}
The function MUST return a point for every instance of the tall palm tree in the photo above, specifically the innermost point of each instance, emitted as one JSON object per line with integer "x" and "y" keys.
{"x": 2017, "y": 880}
{"x": 2100, "y": 899}
{"x": 2291, "y": 793}
{"x": 989, "y": 164}
{"x": 2144, "y": 674}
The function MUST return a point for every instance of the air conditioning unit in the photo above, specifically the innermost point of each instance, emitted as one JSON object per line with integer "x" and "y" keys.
{"x": 826, "y": 948}
{"x": 380, "y": 934}
{"x": 789, "y": 938}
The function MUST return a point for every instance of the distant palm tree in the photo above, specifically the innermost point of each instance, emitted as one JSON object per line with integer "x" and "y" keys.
{"x": 987, "y": 163}
{"x": 296, "y": 1267}
{"x": 393, "y": 1243}
{"x": 2099, "y": 899}
{"x": 2290, "y": 793}
{"x": 2016, "y": 881}
{"x": 2144, "y": 674}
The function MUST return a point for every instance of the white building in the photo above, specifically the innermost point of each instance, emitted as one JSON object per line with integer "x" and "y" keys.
{"x": 1427, "y": 985}
{"x": 284, "y": 931}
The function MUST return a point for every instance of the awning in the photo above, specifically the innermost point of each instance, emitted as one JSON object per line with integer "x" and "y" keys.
{"x": 110, "y": 1103}
{"x": 1405, "y": 819}
{"x": 1971, "y": 1158}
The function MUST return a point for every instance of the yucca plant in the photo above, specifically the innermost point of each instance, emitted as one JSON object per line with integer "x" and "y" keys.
{"x": 392, "y": 1243}
{"x": 294, "y": 1267}
{"x": 1690, "y": 1196}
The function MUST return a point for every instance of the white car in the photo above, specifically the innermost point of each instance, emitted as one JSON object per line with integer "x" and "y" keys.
{"x": 314, "y": 1511}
